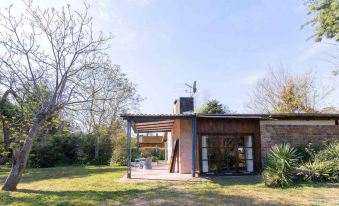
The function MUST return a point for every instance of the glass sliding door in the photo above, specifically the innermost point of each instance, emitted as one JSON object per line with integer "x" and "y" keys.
{"x": 228, "y": 158}
{"x": 227, "y": 154}
{"x": 209, "y": 154}
{"x": 245, "y": 154}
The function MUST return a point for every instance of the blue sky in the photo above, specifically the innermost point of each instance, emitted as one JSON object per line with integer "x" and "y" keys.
{"x": 224, "y": 45}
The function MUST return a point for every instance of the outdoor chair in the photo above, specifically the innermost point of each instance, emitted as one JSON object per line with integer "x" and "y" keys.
{"x": 148, "y": 163}
{"x": 139, "y": 163}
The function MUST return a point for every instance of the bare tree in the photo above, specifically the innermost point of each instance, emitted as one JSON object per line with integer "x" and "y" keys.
{"x": 281, "y": 92}
{"x": 118, "y": 95}
{"x": 49, "y": 54}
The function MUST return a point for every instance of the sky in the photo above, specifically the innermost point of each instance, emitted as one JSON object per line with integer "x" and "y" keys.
{"x": 225, "y": 45}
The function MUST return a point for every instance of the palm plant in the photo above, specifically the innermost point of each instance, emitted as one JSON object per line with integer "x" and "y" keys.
{"x": 280, "y": 165}
{"x": 323, "y": 167}
{"x": 329, "y": 153}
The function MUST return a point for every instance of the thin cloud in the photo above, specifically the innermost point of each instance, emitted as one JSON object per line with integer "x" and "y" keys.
{"x": 252, "y": 79}
{"x": 142, "y": 2}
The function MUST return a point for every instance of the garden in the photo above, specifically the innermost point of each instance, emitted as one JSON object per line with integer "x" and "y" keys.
{"x": 307, "y": 163}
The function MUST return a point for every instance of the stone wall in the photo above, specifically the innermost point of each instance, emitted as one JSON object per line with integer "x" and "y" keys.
{"x": 297, "y": 134}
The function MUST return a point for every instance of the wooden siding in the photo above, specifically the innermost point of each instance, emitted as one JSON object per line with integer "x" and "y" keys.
{"x": 222, "y": 126}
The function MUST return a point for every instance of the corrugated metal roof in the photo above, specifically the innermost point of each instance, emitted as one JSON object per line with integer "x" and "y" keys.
{"x": 164, "y": 122}
{"x": 286, "y": 116}
{"x": 157, "y": 115}
{"x": 251, "y": 116}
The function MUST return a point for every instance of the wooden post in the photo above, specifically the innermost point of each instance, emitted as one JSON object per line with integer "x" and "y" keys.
{"x": 129, "y": 150}
{"x": 138, "y": 146}
{"x": 194, "y": 133}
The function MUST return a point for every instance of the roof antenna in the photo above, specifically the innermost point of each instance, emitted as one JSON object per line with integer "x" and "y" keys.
{"x": 192, "y": 89}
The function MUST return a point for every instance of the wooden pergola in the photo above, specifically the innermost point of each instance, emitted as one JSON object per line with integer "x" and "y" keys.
{"x": 151, "y": 123}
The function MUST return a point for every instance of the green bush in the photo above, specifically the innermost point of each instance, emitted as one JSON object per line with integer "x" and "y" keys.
{"x": 329, "y": 153}
{"x": 312, "y": 163}
{"x": 119, "y": 154}
{"x": 280, "y": 166}
{"x": 323, "y": 167}
{"x": 307, "y": 152}
{"x": 63, "y": 148}
{"x": 319, "y": 171}
{"x": 87, "y": 148}
{"x": 58, "y": 149}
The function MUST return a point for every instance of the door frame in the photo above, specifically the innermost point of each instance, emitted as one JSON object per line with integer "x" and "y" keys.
{"x": 199, "y": 144}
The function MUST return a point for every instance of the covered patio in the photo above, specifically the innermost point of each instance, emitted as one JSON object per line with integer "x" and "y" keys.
{"x": 159, "y": 172}
{"x": 148, "y": 123}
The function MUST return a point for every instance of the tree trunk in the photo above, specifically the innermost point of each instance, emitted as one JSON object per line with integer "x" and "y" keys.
{"x": 20, "y": 157}
{"x": 97, "y": 147}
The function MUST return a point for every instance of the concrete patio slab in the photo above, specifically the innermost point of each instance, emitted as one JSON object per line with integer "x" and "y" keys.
{"x": 159, "y": 172}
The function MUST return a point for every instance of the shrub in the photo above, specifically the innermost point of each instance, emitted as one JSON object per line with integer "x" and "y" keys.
{"x": 307, "y": 152}
{"x": 280, "y": 165}
{"x": 319, "y": 171}
{"x": 323, "y": 167}
{"x": 329, "y": 153}
{"x": 58, "y": 149}
{"x": 119, "y": 154}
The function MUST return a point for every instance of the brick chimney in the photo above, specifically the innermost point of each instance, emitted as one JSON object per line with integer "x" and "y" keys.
{"x": 184, "y": 105}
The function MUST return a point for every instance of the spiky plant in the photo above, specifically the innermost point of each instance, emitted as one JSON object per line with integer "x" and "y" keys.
{"x": 280, "y": 165}
{"x": 324, "y": 167}
{"x": 329, "y": 153}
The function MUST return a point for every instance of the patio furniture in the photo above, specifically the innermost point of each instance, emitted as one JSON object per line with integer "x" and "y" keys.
{"x": 139, "y": 163}
{"x": 148, "y": 163}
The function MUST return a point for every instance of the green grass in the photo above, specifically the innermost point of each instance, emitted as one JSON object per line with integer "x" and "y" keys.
{"x": 93, "y": 185}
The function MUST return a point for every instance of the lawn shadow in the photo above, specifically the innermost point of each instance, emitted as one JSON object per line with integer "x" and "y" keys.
{"x": 160, "y": 195}
{"x": 314, "y": 185}
{"x": 235, "y": 180}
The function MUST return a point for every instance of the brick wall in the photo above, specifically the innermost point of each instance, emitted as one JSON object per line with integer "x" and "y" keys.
{"x": 295, "y": 135}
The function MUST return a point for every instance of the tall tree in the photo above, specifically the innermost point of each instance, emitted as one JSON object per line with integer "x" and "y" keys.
{"x": 214, "y": 107}
{"x": 46, "y": 53}
{"x": 326, "y": 22}
{"x": 281, "y": 92}
{"x": 326, "y": 18}
{"x": 118, "y": 94}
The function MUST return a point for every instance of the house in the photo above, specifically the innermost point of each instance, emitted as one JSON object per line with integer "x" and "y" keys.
{"x": 228, "y": 144}
{"x": 149, "y": 143}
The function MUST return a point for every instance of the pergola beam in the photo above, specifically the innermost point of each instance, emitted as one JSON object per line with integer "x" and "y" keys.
{"x": 153, "y": 131}
{"x": 155, "y": 123}
{"x": 153, "y": 128}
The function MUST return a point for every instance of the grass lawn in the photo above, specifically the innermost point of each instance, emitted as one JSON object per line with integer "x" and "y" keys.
{"x": 93, "y": 185}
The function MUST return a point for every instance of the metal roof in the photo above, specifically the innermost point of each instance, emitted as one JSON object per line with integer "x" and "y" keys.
{"x": 156, "y": 115}
{"x": 145, "y": 123}
{"x": 286, "y": 116}
{"x": 259, "y": 116}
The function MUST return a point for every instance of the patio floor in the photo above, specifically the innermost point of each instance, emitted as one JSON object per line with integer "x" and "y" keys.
{"x": 159, "y": 172}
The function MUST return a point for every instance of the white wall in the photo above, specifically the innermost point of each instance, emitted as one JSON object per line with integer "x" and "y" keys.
{"x": 297, "y": 122}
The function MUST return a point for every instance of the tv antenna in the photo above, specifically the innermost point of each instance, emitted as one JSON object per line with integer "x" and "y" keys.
{"x": 192, "y": 89}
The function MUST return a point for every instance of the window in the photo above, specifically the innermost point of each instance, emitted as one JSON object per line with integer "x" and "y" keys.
{"x": 227, "y": 154}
